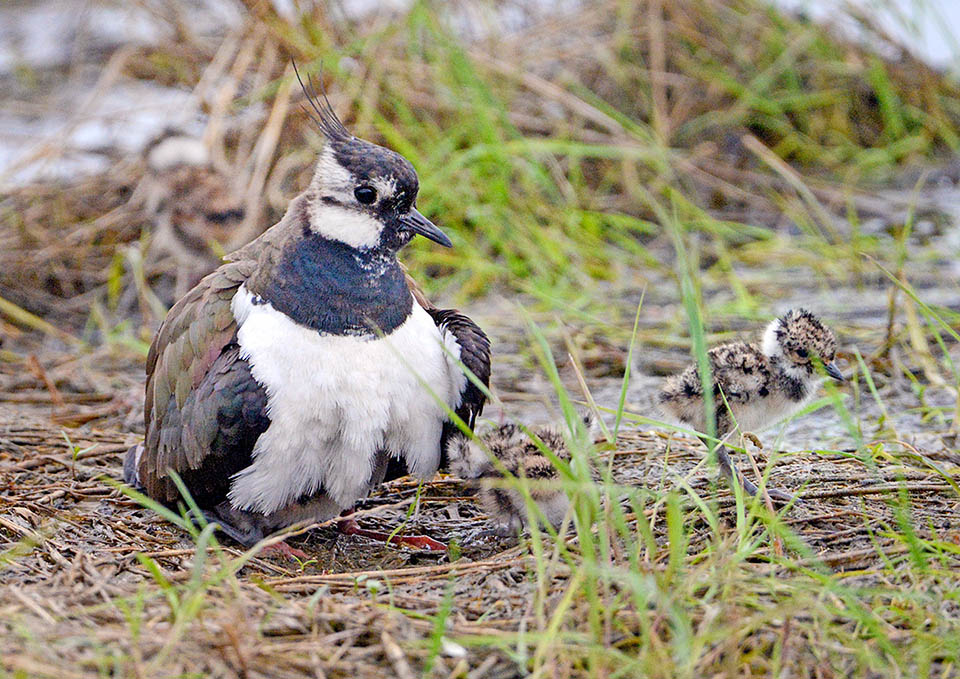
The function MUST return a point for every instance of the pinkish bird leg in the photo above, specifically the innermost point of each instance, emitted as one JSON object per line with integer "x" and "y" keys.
{"x": 283, "y": 549}
{"x": 350, "y": 526}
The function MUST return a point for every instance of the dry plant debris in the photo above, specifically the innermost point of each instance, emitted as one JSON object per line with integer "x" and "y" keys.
{"x": 92, "y": 580}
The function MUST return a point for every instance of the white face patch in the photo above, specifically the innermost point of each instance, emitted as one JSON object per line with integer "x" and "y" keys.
{"x": 335, "y": 402}
{"x": 356, "y": 229}
{"x": 331, "y": 177}
{"x": 347, "y": 222}
{"x": 385, "y": 187}
{"x": 770, "y": 346}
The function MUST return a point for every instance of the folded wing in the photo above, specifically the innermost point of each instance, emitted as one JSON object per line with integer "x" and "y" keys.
{"x": 203, "y": 409}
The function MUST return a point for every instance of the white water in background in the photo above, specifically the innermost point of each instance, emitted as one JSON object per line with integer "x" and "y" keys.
{"x": 930, "y": 29}
{"x": 72, "y": 128}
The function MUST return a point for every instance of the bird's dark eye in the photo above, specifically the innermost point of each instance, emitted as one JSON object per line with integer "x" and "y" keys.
{"x": 802, "y": 353}
{"x": 365, "y": 194}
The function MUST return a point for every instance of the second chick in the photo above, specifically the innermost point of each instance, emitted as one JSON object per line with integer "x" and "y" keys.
{"x": 522, "y": 458}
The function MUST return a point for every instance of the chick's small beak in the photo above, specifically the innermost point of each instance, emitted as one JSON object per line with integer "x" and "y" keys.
{"x": 417, "y": 223}
{"x": 834, "y": 372}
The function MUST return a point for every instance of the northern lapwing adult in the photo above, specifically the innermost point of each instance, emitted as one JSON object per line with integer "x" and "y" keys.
{"x": 305, "y": 370}
{"x": 756, "y": 385}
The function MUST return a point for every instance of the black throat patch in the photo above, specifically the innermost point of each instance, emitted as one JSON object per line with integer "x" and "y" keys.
{"x": 337, "y": 290}
{"x": 795, "y": 389}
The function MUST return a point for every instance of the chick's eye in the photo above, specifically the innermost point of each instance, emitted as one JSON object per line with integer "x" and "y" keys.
{"x": 365, "y": 194}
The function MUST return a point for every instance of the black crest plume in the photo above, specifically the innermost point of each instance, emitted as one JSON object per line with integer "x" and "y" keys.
{"x": 323, "y": 115}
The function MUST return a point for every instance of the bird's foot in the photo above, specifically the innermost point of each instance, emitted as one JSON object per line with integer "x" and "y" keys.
{"x": 283, "y": 549}
{"x": 248, "y": 529}
{"x": 776, "y": 495}
{"x": 419, "y": 542}
{"x": 780, "y": 496}
{"x": 351, "y": 527}
{"x": 734, "y": 475}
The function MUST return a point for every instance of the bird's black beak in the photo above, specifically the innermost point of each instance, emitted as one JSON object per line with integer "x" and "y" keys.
{"x": 417, "y": 223}
{"x": 833, "y": 371}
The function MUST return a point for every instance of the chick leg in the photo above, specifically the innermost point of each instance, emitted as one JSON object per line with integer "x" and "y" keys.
{"x": 733, "y": 475}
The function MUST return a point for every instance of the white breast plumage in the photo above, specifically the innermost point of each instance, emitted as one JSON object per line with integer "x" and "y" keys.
{"x": 760, "y": 413}
{"x": 336, "y": 401}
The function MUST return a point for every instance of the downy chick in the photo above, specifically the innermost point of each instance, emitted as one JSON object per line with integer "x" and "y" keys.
{"x": 755, "y": 385}
{"x": 520, "y": 457}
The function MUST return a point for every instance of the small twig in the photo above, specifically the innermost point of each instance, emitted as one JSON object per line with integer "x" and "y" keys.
{"x": 875, "y": 490}
{"x": 459, "y": 568}
{"x": 77, "y": 418}
{"x": 31, "y": 604}
{"x": 396, "y": 657}
{"x": 34, "y": 365}
{"x": 47, "y": 397}
{"x": 852, "y": 556}
{"x": 25, "y": 318}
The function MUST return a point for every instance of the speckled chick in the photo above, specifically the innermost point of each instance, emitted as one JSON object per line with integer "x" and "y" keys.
{"x": 193, "y": 206}
{"x": 521, "y": 457}
{"x": 756, "y": 385}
